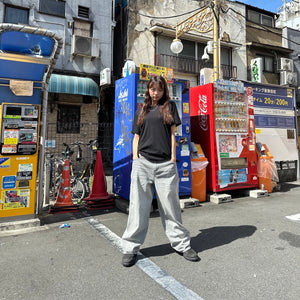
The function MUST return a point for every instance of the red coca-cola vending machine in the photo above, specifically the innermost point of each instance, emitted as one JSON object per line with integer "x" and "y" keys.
{"x": 222, "y": 122}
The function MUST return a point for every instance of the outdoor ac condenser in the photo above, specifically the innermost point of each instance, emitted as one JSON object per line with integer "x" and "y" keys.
{"x": 288, "y": 78}
{"x": 84, "y": 46}
{"x": 285, "y": 64}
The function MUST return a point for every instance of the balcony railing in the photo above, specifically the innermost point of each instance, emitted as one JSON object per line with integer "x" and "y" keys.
{"x": 190, "y": 65}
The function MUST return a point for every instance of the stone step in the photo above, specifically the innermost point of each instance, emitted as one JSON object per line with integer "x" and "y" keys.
{"x": 17, "y": 225}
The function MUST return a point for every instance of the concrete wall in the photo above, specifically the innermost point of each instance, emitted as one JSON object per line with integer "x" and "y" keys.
{"x": 100, "y": 15}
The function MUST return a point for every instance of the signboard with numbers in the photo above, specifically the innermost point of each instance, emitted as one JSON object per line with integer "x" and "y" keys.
{"x": 275, "y": 119}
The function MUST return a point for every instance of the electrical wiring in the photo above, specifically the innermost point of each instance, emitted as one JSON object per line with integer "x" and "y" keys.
{"x": 169, "y": 17}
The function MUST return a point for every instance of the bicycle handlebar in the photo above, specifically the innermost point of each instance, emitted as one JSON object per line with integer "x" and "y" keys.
{"x": 68, "y": 152}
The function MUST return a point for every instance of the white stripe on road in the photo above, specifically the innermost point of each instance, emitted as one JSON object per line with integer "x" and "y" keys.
{"x": 169, "y": 283}
{"x": 295, "y": 218}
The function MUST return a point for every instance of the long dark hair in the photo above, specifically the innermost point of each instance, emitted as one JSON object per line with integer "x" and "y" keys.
{"x": 164, "y": 102}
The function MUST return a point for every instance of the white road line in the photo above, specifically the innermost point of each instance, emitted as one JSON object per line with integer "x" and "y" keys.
{"x": 295, "y": 218}
{"x": 169, "y": 283}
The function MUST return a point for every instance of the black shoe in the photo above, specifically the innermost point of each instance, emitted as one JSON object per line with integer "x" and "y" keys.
{"x": 128, "y": 260}
{"x": 191, "y": 255}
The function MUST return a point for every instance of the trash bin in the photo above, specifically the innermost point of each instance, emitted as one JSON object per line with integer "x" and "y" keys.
{"x": 266, "y": 168}
{"x": 199, "y": 163}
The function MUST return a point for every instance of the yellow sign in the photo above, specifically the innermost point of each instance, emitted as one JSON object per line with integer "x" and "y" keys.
{"x": 186, "y": 108}
{"x": 148, "y": 71}
{"x": 257, "y": 130}
{"x": 14, "y": 199}
{"x": 11, "y": 136}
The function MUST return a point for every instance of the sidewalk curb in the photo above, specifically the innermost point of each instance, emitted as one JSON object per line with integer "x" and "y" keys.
{"x": 19, "y": 225}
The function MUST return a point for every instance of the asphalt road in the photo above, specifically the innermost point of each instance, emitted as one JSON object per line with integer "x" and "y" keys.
{"x": 249, "y": 249}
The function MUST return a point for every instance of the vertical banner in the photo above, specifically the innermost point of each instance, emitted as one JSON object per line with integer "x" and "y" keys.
{"x": 256, "y": 69}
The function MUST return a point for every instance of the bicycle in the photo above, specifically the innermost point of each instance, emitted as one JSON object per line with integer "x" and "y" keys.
{"x": 87, "y": 174}
{"x": 81, "y": 181}
{"x": 78, "y": 189}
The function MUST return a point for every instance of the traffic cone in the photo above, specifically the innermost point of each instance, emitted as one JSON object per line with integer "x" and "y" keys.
{"x": 99, "y": 198}
{"x": 64, "y": 199}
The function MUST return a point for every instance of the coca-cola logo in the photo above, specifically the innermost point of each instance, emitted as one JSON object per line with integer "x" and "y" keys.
{"x": 202, "y": 112}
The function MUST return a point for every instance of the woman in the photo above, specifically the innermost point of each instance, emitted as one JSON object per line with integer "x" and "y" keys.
{"x": 154, "y": 164}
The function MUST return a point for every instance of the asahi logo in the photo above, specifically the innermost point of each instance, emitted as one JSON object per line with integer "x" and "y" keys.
{"x": 123, "y": 95}
{"x": 202, "y": 112}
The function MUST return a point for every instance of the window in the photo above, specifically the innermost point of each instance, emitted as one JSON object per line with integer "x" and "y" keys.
{"x": 253, "y": 16}
{"x": 267, "y": 20}
{"x": 68, "y": 119}
{"x": 82, "y": 28}
{"x": 53, "y": 7}
{"x": 260, "y": 18}
{"x": 269, "y": 64}
{"x": 16, "y": 15}
{"x": 188, "y": 49}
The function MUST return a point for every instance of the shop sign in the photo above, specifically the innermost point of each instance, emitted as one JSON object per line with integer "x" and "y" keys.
{"x": 148, "y": 71}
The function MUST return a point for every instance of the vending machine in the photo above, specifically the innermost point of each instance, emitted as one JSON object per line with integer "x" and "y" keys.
{"x": 222, "y": 122}
{"x": 18, "y": 157}
{"x": 27, "y": 57}
{"x": 129, "y": 96}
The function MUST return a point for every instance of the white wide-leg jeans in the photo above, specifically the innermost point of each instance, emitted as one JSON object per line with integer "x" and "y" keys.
{"x": 144, "y": 176}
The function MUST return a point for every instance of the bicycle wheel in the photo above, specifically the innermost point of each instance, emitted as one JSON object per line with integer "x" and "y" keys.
{"x": 77, "y": 190}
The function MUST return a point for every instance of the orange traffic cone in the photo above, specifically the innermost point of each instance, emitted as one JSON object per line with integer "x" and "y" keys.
{"x": 99, "y": 198}
{"x": 64, "y": 200}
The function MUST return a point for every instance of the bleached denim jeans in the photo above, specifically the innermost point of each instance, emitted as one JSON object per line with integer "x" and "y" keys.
{"x": 144, "y": 176}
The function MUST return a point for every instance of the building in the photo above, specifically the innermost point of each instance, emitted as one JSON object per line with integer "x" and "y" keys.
{"x": 146, "y": 30}
{"x": 289, "y": 21}
{"x": 264, "y": 41}
{"x": 86, "y": 28}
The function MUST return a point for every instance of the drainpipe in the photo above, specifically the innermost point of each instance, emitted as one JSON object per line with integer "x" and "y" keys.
{"x": 40, "y": 193}
{"x": 113, "y": 33}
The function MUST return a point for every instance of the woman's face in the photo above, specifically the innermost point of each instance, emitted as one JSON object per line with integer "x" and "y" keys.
{"x": 156, "y": 92}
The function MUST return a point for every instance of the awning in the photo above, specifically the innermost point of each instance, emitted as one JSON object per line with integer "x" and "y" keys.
{"x": 73, "y": 85}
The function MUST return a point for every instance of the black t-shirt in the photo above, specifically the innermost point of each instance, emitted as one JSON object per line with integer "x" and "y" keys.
{"x": 155, "y": 136}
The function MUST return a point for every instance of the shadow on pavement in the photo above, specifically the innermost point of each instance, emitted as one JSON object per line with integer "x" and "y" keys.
{"x": 291, "y": 238}
{"x": 207, "y": 239}
{"x": 287, "y": 186}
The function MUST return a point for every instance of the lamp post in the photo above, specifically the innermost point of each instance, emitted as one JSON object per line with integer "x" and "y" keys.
{"x": 206, "y": 20}
{"x": 216, "y": 41}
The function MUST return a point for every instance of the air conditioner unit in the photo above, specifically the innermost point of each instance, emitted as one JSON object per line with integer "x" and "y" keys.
{"x": 285, "y": 64}
{"x": 288, "y": 78}
{"x": 85, "y": 46}
{"x": 105, "y": 77}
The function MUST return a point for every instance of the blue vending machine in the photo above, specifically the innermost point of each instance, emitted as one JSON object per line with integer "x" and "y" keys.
{"x": 129, "y": 96}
